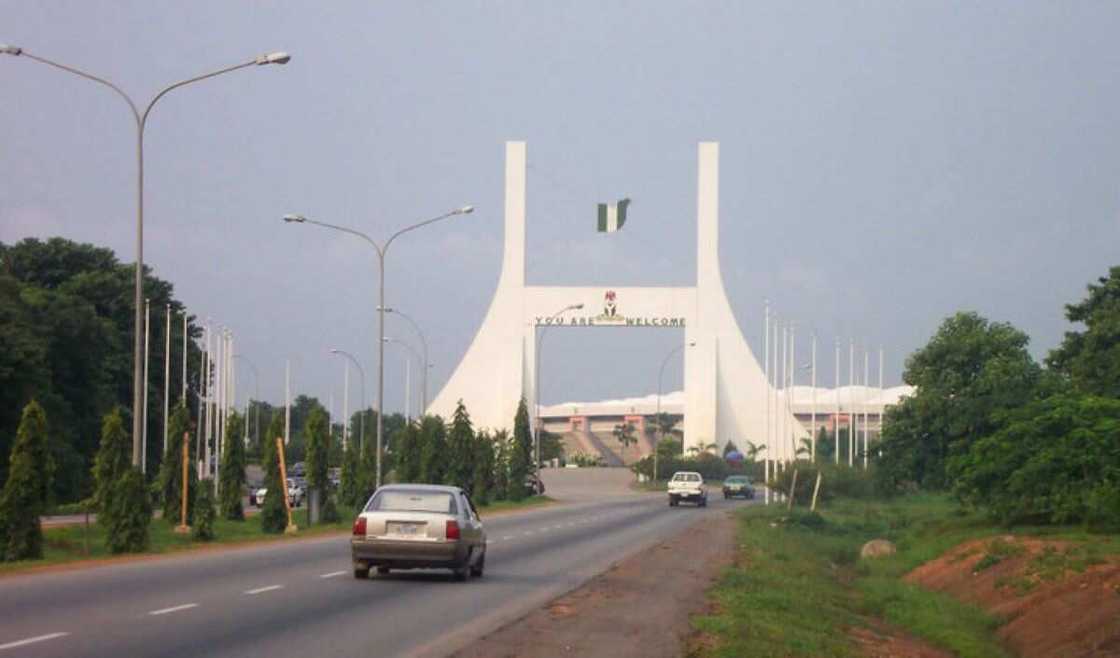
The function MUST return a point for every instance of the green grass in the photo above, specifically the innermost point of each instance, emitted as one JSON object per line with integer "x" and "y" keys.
{"x": 68, "y": 544}
{"x": 800, "y": 585}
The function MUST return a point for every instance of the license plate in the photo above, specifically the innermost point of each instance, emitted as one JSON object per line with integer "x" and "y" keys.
{"x": 403, "y": 529}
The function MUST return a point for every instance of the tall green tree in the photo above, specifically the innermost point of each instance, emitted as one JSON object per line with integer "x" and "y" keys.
{"x": 316, "y": 433}
{"x": 460, "y": 450}
{"x": 274, "y": 514}
{"x": 25, "y": 494}
{"x": 352, "y": 487}
{"x": 968, "y": 372}
{"x": 1091, "y": 358}
{"x": 171, "y": 468}
{"x": 232, "y": 477}
{"x": 114, "y": 458}
{"x": 127, "y": 514}
{"x": 503, "y": 448}
{"x": 433, "y": 455}
{"x": 409, "y": 448}
{"x": 483, "y": 479}
{"x": 624, "y": 434}
{"x": 521, "y": 453}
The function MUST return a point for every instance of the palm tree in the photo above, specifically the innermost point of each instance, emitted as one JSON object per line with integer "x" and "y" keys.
{"x": 624, "y": 432}
{"x": 806, "y": 448}
{"x": 751, "y": 453}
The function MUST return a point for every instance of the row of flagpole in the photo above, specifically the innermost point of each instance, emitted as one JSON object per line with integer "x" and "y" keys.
{"x": 780, "y": 373}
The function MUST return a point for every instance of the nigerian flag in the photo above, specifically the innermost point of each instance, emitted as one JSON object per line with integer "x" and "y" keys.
{"x": 612, "y": 216}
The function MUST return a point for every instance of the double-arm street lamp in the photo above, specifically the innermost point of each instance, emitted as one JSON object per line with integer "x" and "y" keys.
{"x": 660, "y": 375}
{"x": 427, "y": 365}
{"x": 537, "y": 384}
{"x": 362, "y": 416}
{"x": 381, "y": 250}
{"x": 138, "y": 383}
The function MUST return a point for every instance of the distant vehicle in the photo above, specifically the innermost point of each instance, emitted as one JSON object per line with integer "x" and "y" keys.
{"x": 687, "y": 486}
{"x": 535, "y": 485}
{"x": 738, "y": 485}
{"x": 253, "y": 488}
{"x": 297, "y": 492}
{"x": 419, "y": 526}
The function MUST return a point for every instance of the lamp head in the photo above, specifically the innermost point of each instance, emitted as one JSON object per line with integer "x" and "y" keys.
{"x": 465, "y": 210}
{"x": 333, "y": 351}
{"x": 577, "y": 307}
{"x": 278, "y": 57}
{"x": 298, "y": 219}
{"x": 692, "y": 343}
{"x": 5, "y": 49}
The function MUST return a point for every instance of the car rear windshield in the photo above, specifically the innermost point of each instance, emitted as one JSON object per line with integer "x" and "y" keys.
{"x": 413, "y": 500}
{"x": 686, "y": 477}
{"x": 737, "y": 478}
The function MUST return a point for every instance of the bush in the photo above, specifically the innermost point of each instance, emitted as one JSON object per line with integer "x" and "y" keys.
{"x": 836, "y": 481}
{"x": 25, "y": 493}
{"x": 232, "y": 479}
{"x": 274, "y": 514}
{"x": 204, "y": 513}
{"x": 709, "y": 466}
{"x": 127, "y": 513}
{"x": 170, "y": 480}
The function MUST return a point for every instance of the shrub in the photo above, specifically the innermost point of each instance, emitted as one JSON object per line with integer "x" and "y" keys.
{"x": 127, "y": 513}
{"x": 114, "y": 457}
{"x": 274, "y": 514}
{"x": 836, "y": 481}
{"x": 232, "y": 479}
{"x": 25, "y": 493}
{"x": 204, "y": 514}
{"x": 170, "y": 479}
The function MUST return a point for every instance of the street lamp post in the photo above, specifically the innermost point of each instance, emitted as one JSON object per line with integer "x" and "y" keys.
{"x": 362, "y": 416}
{"x": 660, "y": 375}
{"x": 381, "y": 250}
{"x": 138, "y": 384}
{"x": 424, "y": 349}
{"x": 537, "y": 384}
{"x": 407, "y": 384}
{"x": 257, "y": 396}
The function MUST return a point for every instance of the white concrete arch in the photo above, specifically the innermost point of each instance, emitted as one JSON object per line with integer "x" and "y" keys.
{"x": 725, "y": 388}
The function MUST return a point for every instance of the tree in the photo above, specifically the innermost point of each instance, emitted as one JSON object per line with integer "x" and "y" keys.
{"x": 114, "y": 458}
{"x": 552, "y": 447}
{"x": 503, "y": 448}
{"x": 483, "y": 476}
{"x": 128, "y": 513}
{"x": 232, "y": 478}
{"x": 25, "y": 494}
{"x": 274, "y": 513}
{"x": 521, "y": 454}
{"x": 729, "y": 448}
{"x": 202, "y": 528}
{"x": 433, "y": 455}
{"x": 352, "y": 485}
{"x": 753, "y": 450}
{"x": 170, "y": 479}
{"x": 460, "y": 450}
{"x": 1055, "y": 460}
{"x": 1090, "y": 359}
{"x": 315, "y": 433}
{"x": 409, "y": 447}
{"x": 624, "y": 434}
{"x": 970, "y": 370}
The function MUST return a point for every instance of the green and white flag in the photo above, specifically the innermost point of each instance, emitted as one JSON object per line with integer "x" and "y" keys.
{"x": 612, "y": 216}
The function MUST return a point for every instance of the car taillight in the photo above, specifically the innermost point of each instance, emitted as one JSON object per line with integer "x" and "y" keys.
{"x": 452, "y": 530}
{"x": 360, "y": 526}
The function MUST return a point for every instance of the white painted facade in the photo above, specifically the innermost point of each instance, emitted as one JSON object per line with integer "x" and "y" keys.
{"x": 725, "y": 390}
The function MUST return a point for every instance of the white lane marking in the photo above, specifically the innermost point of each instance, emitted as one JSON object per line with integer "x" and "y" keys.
{"x": 332, "y": 574}
{"x": 31, "y": 640}
{"x": 261, "y": 590}
{"x": 177, "y": 608}
{"x": 507, "y": 538}
{"x": 528, "y": 532}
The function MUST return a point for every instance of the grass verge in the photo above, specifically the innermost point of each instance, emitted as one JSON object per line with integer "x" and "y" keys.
{"x": 799, "y": 584}
{"x": 74, "y": 544}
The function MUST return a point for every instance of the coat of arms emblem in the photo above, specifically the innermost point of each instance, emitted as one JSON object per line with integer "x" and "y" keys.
{"x": 610, "y": 309}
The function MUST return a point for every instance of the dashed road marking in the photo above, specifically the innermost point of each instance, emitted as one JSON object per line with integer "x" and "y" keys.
{"x": 332, "y": 574}
{"x": 507, "y": 538}
{"x": 31, "y": 640}
{"x": 177, "y": 608}
{"x": 261, "y": 590}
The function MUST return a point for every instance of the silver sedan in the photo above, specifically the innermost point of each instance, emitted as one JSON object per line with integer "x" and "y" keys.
{"x": 419, "y": 526}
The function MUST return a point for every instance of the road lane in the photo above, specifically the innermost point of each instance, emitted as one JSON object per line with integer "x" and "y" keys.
{"x": 302, "y": 605}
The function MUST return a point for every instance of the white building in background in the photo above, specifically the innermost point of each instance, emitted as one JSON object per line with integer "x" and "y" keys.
{"x": 725, "y": 391}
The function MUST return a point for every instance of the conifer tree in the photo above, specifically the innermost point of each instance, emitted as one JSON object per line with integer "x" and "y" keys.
{"x": 232, "y": 479}
{"x": 203, "y": 527}
{"x": 25, "y": 493}
{"x": 315, "y": 434}
{"x": 433, "y": 451}
{"x": 409, "y": 449}
{"x": 502, "y": 451}
{"x": 274, "y": 514}
{"x": 171, "y": 470}
{"x": 114, "y": 457}
{"x": 460, "y": 450}
{"x": 521, "y": 453}
{"x": 351, "y": 487}
{"x": 483, "y": 478}
{"x": 128, "y": 513}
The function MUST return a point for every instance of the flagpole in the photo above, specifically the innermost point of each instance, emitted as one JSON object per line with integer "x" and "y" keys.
{"x": 813, "y": 413}
{"x": 866, "y": 381}
{"x": 166, "y": 379}
{"x": 147, "y": 352}
{"x": 766, "y": 376}
{"x": 287, "y": 401}
{"x": 851, "y": 401}
{"x": 882, "y": 403}
{"x": 184, "y": 395}
{"x": 836, "y": 394}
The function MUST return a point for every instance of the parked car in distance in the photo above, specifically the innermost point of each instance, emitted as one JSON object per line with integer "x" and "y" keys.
{"x": 419, "y": 526}
{"x": 297, "y": 492}
{"x": 737, "y": 485}
{"x": 687, "y": 486}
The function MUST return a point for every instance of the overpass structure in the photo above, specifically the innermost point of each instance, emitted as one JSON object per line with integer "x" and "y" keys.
{"x": 724, "y": 386}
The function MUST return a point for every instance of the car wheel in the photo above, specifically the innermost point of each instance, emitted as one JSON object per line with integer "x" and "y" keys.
{"x": 477, "y": 569}
{"x": 361, "y": 573}
{"x": 382, "y": 570}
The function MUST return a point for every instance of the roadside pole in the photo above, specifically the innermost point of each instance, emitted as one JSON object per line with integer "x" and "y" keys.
{"x": 292, "y": 528}
{"x": 183, "y": 528}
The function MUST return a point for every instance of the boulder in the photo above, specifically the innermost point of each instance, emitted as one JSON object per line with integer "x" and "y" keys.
{"x": 877, "y": 548}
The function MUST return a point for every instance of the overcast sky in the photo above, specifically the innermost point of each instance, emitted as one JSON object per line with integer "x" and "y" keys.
{"x": 883, "y": 165}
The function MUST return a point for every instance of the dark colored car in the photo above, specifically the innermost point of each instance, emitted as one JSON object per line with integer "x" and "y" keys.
{"x": 738, "y": 485}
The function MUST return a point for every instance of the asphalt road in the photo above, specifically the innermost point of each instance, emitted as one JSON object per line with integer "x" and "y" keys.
{"x": 301, "y": 599}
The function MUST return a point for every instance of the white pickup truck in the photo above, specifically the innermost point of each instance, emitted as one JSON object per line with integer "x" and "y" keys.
{"x": 687, "y": 486}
